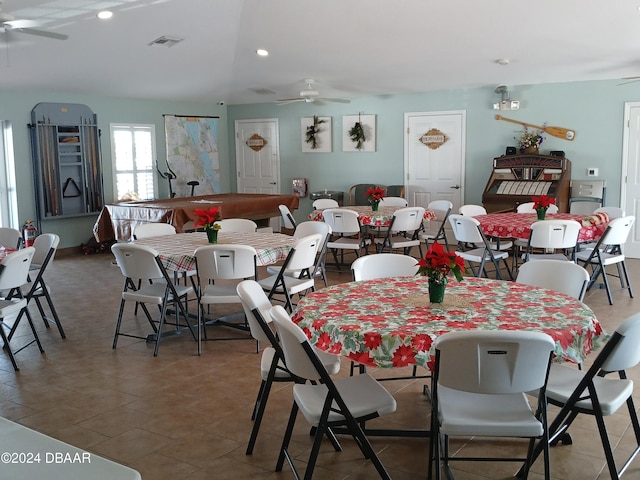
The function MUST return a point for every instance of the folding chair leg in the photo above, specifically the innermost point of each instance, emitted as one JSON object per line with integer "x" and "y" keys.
{"x": 258, "y": 413}
{"x": 315, "y": 449}
{"x": 54, "y": 313}
{"x": 118, "y": 323}
{"x": 284, "y": 454}
{"x": 3, "y": 335}
{"x": 626, "y": 278}
{"x": 160, "y": 324}
{"x": 33, "y": 329}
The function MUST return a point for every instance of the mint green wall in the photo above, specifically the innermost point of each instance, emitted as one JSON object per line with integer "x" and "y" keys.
{"x": 16, "y": 107}
{"x": 594, "y": 110}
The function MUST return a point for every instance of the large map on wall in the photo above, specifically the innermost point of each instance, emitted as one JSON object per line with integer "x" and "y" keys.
{"x": 192, "y": 153}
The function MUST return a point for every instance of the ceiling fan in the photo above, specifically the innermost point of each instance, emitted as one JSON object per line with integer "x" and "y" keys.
{"x": 628, "y": 80}
{"x": 8, "y": 23}
{"x": 310, "y": 95}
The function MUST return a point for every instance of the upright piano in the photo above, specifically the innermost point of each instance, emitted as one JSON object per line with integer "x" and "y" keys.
{"x": 515, "y": 179}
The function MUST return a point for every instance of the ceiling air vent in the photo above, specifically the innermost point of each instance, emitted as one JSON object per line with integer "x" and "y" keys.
{"x": 165, "y": 41}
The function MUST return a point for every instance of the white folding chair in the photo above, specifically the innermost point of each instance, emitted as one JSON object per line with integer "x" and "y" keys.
{"x": 46, "y": 245}
{"x": 10, "y": 237}
{"x": 14, "y": 271}
{"x": 442, "y": 210}
{"x": 404, "y": 231}
{"x": 474, "y": 247}
{"x": 326, "y": 403}
{"x": 142, "y": 262}
{"x": 383, "y": 265}
{"x": 322, "y": 203}
{"x": 305, "y": 229}
{"x": 554, "y": 236}
{"x": 521, "y": 243}
{"x": 148, "y": 230}
{"x": 287, "y": 217}
{"x": 393, "y": 202}
{"x": 611, "y": 212}
{"x": 480, "y": 384}
{"x": 608, "y": 251}
{"x": 594, "y": 392}
{"x": 256, "y": 307}
{"x": 346, "y": 233}
{"x": 528, "y": 208}
{"x": 301, "y": 258}
{"x": 220, "y": 269}
{"x": 559, "y": 275}
{"x": 237, "y": 225}
{"x": 380, "y": 231}
{"x": 471, "y": 210}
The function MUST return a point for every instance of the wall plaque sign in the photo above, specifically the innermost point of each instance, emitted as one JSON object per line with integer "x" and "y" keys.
{"x": 434, "y": 139}
{"x": 256, "y": 143}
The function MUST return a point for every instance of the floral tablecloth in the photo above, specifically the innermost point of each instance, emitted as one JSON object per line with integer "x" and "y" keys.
{"x": 379, "y": 323}
{"x": 176, "y": 251}
{"x": 518, "y": 225}
{"x": 380, "y": 218}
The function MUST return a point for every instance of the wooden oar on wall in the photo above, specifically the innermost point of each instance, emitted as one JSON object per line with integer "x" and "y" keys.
{"x": 558, "y": 132}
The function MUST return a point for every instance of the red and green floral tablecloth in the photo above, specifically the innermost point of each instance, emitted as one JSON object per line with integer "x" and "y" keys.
{"x": 176, "y": 251}
{"x": 377, "y": 322}
{"x": 380, "y": 218}
{"x": 518, "y": 225}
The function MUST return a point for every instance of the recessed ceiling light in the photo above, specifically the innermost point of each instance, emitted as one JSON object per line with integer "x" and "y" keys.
{"x": 502, "y": 61}
{"x": 262, "y": 52}
{"x": 105, "y": 14}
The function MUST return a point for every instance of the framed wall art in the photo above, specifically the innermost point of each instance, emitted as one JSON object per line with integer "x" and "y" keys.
{"x": 359, "y": 133}
{"x": 316, "y": 134}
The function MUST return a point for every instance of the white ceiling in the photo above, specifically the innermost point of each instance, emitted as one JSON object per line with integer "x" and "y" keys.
{"x": 351, "y": 47}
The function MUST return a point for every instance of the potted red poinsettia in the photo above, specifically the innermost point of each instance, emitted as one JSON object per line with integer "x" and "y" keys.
{"x": 374, "y": 196}
{"x": 207, "y": 220}
{"x": 541, "y": 204}
{"x": 437, "y": 264}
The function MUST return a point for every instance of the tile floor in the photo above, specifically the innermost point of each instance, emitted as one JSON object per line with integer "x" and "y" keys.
{"x": 180, "y": 416}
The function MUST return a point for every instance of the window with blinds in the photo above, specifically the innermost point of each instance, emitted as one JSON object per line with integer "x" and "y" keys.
{"x": 133, "y": 154}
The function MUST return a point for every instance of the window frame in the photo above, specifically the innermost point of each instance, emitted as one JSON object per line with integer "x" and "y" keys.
{"x": 132, "y": 127}
{"x": 8, "y": 192}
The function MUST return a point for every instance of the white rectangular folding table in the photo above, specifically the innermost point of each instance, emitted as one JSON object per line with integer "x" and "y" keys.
{"x": 26, "y": 454}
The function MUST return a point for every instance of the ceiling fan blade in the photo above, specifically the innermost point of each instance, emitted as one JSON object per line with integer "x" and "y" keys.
{"x": 285, "y": 101}
{"x": 629, "y": 80}
{"x": 42, "y": 33}
{"x": 336, "y": 100}
{"x": 22, "y": 23}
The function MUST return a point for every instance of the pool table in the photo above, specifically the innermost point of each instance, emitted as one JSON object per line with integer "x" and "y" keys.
{"x": 118, "y": 221}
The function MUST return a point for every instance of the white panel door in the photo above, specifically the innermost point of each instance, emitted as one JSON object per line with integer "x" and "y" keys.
{"x": 630, "y": 184}
{"x": 258, "y": 170}
{"x": 435, "y": 173}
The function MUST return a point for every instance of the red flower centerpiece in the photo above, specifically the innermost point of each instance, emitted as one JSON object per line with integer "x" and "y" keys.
{"x": 437, "y": 264}
{"x": 207, "y": 219}
{"x": 541, "y": 204}
{"x": 375, "y": 195}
